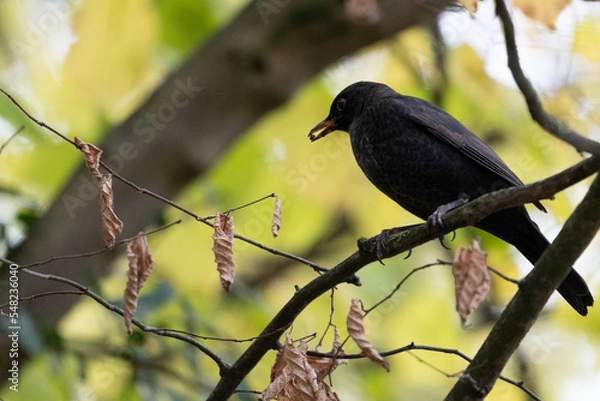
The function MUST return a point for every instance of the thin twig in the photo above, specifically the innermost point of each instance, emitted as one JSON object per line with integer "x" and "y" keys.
{"x": 13, "y": 136}
{"x": 432, "y": 366}
{"x": 46, "y": 294}
{"x": 319, "y": 269}
{"x": 96, "y": 252}
{"x": 548, "y": 122}
{"x": 32, "y": 118}
{"x": 330, "y": 322}
{"x": 248, "y": 392}
{"x": 233, "y": 209}
{"x": 413, "y": 271}
{"x": 223, "y": 366}
{"x": 144, "y": 191}
{"x": 502, "y": 275}
{"x": 214, "y": 338}
{"x": 157, "y": 330}
{"x": 465, "y": 215}
{"x": 6, "y": 261}
{"x": 429, "y": 348}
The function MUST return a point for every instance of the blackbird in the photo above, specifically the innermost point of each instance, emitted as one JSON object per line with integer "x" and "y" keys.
{"x": 428, "y": 162}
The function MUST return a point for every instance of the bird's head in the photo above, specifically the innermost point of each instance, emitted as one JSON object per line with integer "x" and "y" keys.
{"x": 347, "y": 106}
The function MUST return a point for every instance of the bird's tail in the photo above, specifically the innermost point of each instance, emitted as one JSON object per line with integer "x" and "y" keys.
{"x": 532, "y": 244}
{"x": 573, "y": 288}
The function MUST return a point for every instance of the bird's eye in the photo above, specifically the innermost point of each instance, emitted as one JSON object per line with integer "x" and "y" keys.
{"x": 340, "y": 104}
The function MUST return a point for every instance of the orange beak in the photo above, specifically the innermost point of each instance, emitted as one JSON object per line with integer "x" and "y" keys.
{"x": 321, "y": 129}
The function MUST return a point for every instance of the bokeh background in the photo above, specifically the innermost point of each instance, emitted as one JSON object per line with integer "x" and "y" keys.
{"x": 83, "y": 66}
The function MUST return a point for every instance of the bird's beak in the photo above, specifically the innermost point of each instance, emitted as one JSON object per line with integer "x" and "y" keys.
{"x": 323, "y": 128}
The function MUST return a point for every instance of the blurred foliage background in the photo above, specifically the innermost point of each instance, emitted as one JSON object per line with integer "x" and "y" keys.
{"x": 83, "y": 66}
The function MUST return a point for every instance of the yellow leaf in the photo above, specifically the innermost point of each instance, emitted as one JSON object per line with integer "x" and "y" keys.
{"x": 587, "y": 38}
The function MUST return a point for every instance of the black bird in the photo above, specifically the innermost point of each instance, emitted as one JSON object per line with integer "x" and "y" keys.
{"x": 428, "y": 162}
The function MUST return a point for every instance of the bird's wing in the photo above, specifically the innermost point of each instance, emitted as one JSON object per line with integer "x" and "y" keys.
{"x": 449, "y": 130}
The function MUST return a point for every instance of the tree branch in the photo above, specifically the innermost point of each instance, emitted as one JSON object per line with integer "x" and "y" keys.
{"x": 534, "y": 291}
{"x": 548, "y": 122}
{"x": 249, "y": 67}
{"x": 13, "y": 136}
{"x": 416, "y": 347}
{"x": 465, "y": 215}
{"x": 83, "y": 290}
{"x": 552, "y": 267}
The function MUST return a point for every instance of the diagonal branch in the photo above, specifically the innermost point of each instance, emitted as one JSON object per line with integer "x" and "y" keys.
{"x": 548, "y": 122}
{"x": 554, "y": 264}
{"x": 13, "y": 136}
{"x": 534, "y": 291}
{"x": 396, "y": 244}
{"x": 151, "y": 194}
{"x": 83, "y": 290}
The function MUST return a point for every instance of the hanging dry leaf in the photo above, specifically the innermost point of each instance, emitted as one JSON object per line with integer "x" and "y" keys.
{"x": 91, "y": 155}
{"x": 325, "y": 366}
{"x": 356, "y": 330}
{"x": 276, "y": 218}
{"x": 471, "y": 278}
{"x": 223, "y": 249}
{"x": 140, "y": 267}
{"x": 111, "y": 224}
{"x": 545, "y": 12}
{"x": 293, "y": 378}
{"x": 363, "y": 12}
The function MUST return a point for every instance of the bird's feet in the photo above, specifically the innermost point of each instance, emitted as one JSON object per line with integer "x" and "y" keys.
{"x": 435, "y": 223}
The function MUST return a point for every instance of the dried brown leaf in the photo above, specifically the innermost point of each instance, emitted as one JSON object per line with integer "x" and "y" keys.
{"x": 91, "y": 155}
{"x": 356, "y": 330}
{"x": 363, "y": 12}
{"x": 276, "y": 218}
{"x": 325, "y": 366}
{"x": 223, "y": 249}
{"x": 111, "y": 224}
{"x": 545, "y": 12}
{"x": 304, "y": 376}
{"x": 140, "y": 267}
{"x": 471, "y": 278}
{"x": 293, "y": 377}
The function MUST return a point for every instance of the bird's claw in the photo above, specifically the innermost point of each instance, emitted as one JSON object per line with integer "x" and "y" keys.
{"x": 434, "y": 222}
{"x": 441, "y": 238}
{"x": 384, "y": 236}
{"x": 381, "y": 239}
